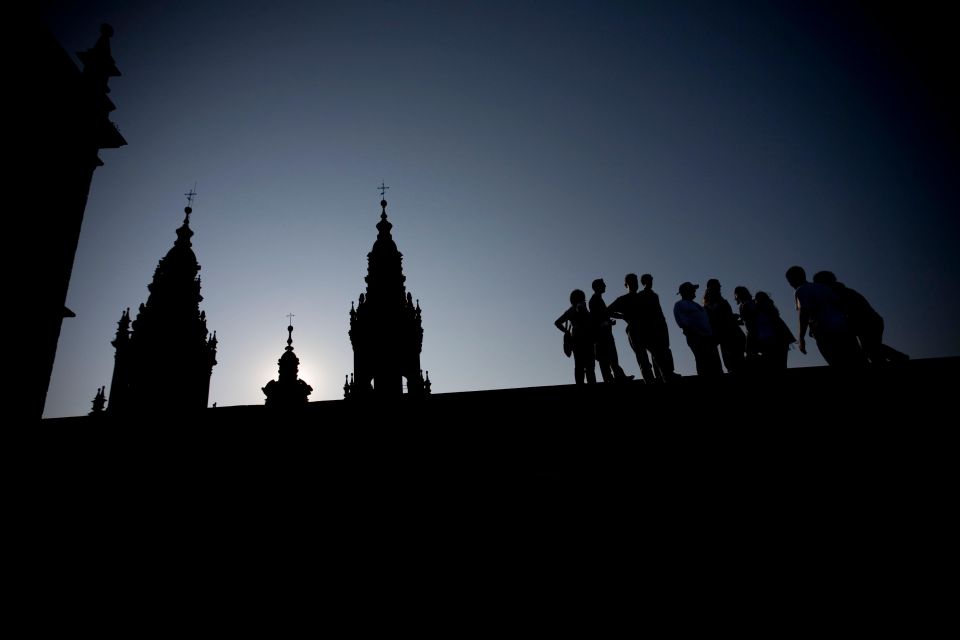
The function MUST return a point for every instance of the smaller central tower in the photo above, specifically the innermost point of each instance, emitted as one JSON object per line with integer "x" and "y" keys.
{"x": 385, "y": 326}
{"x": 288, "y": 390}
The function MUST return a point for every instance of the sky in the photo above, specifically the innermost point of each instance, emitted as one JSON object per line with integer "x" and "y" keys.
{"x": 529, "y": 148}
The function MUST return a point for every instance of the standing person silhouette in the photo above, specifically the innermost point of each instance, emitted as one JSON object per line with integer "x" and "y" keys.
{"x": 773, "y": 335}
{"x": 693, "y": 320}
{"x": 653, "y": 335}
{"x": 726, "y": 327}
{"x": 747, "y": 308}
{"x": 610, "y": 368}
{"x": 583, "y": 336}
{"x": 627, "y": 307}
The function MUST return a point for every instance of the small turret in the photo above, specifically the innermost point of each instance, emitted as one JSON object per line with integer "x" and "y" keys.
{"x": 287, "y": 391}
{"x": 98, "y": 402}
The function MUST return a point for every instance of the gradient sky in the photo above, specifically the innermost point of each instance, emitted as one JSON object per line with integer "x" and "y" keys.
{"x": 530, "y": 147}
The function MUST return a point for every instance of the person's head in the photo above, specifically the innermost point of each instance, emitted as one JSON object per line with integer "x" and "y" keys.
{"x": 577, "y": 297}
{"x": 796, "y": 276}
{"x": 599, "y": 286}
{"x": 824, "y": 277}
{"x": 763, "y": 299}
{"x": 630, "y": 281}
{"x": 646, "y": 280}
{"x": 741, "y": 294}
{"x": 688, "y": 291}
{"x": 713, "y": 284}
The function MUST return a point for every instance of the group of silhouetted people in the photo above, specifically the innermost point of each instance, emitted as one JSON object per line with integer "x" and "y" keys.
{"x": 592, "y": 330}
{"x": 848, "y": 331}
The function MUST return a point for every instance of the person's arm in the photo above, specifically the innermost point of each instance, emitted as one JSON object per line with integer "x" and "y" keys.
{"x": 599, "y": 312}
{"x": 614, "y": 309}
{"x": 560, "y": 323}
{"x": 679, "y": 315}
{"x": 804, "y": 322}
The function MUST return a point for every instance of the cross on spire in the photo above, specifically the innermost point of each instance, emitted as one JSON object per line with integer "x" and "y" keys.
{"x": 383, "y": 190}
{"x": 290, "y": 317}
{"x": 190, "y": 196}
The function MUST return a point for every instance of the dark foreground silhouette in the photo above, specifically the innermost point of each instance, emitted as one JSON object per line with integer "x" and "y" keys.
{"x": 67, "y": 114}
{"x": 530, "y": 480}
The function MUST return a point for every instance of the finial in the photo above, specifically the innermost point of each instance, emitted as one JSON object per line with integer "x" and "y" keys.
{"x": 190, "y": 196}
{"x": 98, "y": 402}
{"x": 383, "y": 200}
{"x": 290, "y": 317}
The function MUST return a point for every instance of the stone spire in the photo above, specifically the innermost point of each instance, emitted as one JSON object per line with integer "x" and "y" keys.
{"x": 385, "y": 326}
{"x": 166, "y": 363}
{"x": 287, "y": 391}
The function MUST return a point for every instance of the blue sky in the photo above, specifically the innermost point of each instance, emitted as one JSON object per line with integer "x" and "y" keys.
{"x": 530, "y": 147}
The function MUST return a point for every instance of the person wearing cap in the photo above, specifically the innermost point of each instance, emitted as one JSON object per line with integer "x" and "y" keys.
{"x": 693, "y": 320}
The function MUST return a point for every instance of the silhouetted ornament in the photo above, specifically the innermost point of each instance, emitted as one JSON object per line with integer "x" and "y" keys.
{"x": 98, "y": 402}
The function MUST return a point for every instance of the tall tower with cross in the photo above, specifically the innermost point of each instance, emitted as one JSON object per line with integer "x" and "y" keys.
{"x": 385, "y": 326}
{"x": 164, "y": 357}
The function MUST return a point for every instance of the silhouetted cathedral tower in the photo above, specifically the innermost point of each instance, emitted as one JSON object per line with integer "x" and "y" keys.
{"x": 385, "y": 327}
{"x": 165, "y": 363}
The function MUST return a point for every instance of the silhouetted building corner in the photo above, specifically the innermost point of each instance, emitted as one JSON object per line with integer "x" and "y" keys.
{"x": 68, "y": 123}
